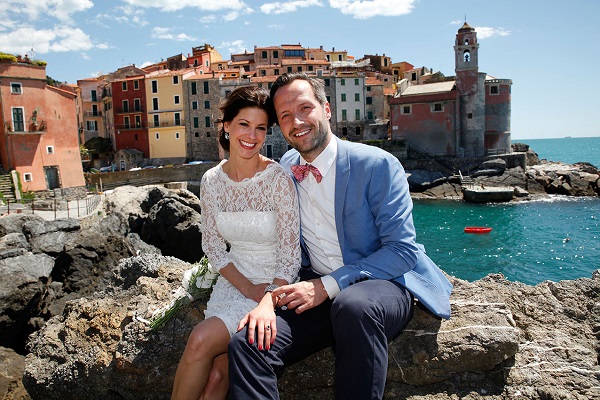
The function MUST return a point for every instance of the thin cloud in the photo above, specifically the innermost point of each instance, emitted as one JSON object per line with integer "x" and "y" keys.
{"x": 176, "y": 5}
{"x": 58, "y": 39}
{"x": 484, "y": 32}
{"x": 32, "y": 10}
{"x": 208, "y": 19}
{"x": 167, "y": 34}
{"x": 235, "y": 47}
{"x": 363, "y": 9}
{"x": 288, "y": 7}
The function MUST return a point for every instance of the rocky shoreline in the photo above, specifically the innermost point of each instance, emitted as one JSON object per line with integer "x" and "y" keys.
{"x": 74, "y": 295}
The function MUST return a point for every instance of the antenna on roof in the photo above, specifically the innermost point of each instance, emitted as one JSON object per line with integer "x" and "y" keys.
{"x": 465, "y": 17}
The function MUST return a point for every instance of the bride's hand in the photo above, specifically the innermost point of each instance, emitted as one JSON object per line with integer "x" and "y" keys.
{"x": 255, "y": 291}
{"x": 262, "y": 325}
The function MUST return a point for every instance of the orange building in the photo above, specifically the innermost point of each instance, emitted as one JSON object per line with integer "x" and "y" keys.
{"x": 38, "y": 129}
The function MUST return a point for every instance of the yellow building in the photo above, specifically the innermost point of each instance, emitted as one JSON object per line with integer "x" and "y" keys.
{"x": 166, "y": 119}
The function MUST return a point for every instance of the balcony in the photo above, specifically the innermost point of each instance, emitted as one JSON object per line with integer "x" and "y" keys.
{"x": 125, "y": 127}
{"x": 19, "y": 128}
{"x": 165, "y": 124}
{"x": 129, "y": 110}
{"x": 96, "y": 113}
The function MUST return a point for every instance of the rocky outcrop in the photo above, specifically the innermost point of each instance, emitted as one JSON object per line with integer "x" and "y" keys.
{"x": 504, "y": 340}
{"x": 581, "y": 179}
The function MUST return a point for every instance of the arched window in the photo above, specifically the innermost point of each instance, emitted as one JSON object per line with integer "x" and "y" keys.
{"x": 467, "y": 56}
{"x": 466, "y": 41}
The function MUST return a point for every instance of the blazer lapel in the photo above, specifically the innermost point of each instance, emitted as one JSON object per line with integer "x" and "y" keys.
{"x": 342, "y": 177}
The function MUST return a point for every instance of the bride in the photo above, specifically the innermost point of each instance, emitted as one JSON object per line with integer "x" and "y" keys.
{"x": 250, "y": 233}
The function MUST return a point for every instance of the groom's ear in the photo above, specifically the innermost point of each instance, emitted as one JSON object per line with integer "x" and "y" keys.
{"x": 327, "y": 110}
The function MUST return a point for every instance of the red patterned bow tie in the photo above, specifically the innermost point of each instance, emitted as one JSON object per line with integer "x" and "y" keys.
{"x": 301, "y": 172}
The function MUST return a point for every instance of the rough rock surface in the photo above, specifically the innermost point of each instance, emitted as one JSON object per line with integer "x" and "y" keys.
{"x": 504, "y": 340}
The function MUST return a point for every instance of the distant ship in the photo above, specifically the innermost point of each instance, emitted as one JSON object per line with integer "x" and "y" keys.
{"x": 567, "y": 137}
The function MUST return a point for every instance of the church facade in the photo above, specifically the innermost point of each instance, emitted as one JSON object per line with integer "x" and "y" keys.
{"x": 463, "y": 116}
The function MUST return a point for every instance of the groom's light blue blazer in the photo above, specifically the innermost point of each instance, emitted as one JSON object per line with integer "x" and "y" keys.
{"x": 373, "y": 212}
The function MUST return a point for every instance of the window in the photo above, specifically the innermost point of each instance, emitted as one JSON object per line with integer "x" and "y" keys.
{"x": 154, "y": 86}
{"x": 368, "y": 88}
{"x": 16, "y": 88}
{"x": 269, "y": 150}
{"x": 207, "y": 121}
{"x": 289, "y": 69}
{"x": 369, "y": 100}
{"x": 275, "y": 53}
{"x": 328, "y": 99}
{"x": 340, "y": 57}
{"x": 138, "y": 121}
{"x": 327, "y": 82}
{"x": 28, "y": 177}
{"x": 466, "y": 56}
{"x": 437, "y": 107}
{"x": 205, "y": 87}
{"x": 92, "y": 125}
{"x": 50, "y": 149}
{"x": 126, "y": 122}
{"x": 342, "y": 82}
{"x": 194, "y": 105}
{"x": 176, "y": 135}
{"x": 177, "y": 118}
{"x": 406, "y": 110}
{"x": 206, "y": 104}
{"x": 343, "y": 96}
{"x": 263, "y": 72}
{"x": 469, "y": 115}
{"x": 125, "y": 105}
{"x": 124, "y": 85}
{"x": 276, "y": 71}
{"x": 466, "y": 41}
{"x": 293, "y": 53}
{"x": 137, "y": 105}
{"x": 176, "y": 80}
{"x": 157, "y": 136}
{"x": 264, "y": 54}
{"x": 370, "y": 115}
{"x": 299, "y": 69}
{"x": 356, "y": 96}
{"x": 156, "y": 120}
{"x": 196, "y": 123}
{"x": 344, "y": 116}
{"x": 356, "y": 81}
{"x": 155, "y": 103}
{"x": 18, "y": 121}
{"x": 413, "y": 76}
{"x": 136, "y": 85}
{"x": 270, "y": 131}
{"x": 194, "y": 88}
{"x": 310, "y": 67}
{"x": 196, "y": 134}
{"x": 176, "y": 99}
{"x": 494, "y": 90}
{"x": 94, "y": 95}
{"x": 357, "y": 130}
{"x": 135, "y": 137}
{"x": 357, "y": 115}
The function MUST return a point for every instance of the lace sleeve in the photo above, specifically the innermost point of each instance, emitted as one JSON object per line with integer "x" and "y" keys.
{"x": 288, "y": 227}
{"x": 213, "y": 244}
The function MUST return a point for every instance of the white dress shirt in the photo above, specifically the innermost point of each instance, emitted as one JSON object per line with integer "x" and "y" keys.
{"x": 317, "y": 217}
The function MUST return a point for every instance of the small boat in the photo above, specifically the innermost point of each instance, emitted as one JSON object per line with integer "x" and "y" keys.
{"x": 477, "y": 229}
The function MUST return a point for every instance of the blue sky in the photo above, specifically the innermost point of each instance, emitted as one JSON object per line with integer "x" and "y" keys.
{"x": 550, "y": 49}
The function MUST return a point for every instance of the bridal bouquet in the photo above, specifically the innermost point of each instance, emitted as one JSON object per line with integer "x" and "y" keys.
{"x": 197, "y": 284}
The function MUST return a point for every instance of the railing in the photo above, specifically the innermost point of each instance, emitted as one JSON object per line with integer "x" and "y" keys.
{"x": 52, "y": 209}
{"x": 97, "y": 113}
{"x": 497, "y": 152}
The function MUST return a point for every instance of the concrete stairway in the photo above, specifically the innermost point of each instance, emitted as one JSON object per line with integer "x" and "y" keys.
{"x": 6, "y": 187}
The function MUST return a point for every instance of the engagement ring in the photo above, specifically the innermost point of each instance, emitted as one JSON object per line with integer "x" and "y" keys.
{"x": 268, "y": 328}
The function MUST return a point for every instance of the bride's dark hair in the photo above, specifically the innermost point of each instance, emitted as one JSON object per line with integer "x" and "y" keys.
{"x": 240, "y": 98}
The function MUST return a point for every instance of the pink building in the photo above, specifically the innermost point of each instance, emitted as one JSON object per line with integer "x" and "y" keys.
{"x": 463, "y": 116}
{"x": 38, "y": 129}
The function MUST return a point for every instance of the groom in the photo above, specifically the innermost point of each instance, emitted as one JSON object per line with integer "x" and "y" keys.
{"x": 363, "y": 268}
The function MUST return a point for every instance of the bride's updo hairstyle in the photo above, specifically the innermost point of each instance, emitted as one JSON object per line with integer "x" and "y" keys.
{"x": 240, "y": 98}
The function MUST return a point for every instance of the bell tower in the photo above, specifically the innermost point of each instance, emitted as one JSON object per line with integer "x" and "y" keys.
{"x": 466, "y": 56}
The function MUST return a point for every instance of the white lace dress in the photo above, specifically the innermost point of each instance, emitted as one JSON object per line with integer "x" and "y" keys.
{"x": 258, "y": 220}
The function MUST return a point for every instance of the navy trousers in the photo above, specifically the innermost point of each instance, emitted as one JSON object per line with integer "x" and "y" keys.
{"x": 359, "y": 322}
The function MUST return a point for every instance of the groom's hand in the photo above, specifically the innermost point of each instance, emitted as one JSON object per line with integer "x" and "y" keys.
{"x": 302, "y": 296}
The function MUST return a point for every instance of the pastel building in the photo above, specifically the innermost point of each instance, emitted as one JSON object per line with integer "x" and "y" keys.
{"x": 166, "y": 119}
{"x": 464, "y": 116}
{"x": 38, "y": 130}
{"x": 130, "y": 114}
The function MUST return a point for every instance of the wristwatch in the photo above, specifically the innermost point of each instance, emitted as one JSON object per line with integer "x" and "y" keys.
{"x": 271, "y": 287}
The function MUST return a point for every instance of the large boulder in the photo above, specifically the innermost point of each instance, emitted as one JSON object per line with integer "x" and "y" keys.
{"x": 504, "y": 340}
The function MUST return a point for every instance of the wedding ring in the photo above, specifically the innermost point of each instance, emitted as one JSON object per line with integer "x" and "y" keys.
{"x": 268, "y": 327}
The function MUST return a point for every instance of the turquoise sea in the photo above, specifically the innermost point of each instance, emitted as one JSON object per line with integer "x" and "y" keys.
{"x": 530, "y": 242}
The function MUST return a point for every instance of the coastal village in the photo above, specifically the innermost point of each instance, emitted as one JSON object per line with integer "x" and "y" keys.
{"x": 165, "y": 114}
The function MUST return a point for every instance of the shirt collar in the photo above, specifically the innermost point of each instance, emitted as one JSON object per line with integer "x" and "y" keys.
{"x": 325, "y": 160}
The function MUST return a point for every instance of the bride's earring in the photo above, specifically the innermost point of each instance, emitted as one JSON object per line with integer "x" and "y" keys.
{"x": 227, "y": 135}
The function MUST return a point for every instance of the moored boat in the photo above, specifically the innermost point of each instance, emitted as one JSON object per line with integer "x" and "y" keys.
{"x": 477, "y": 229}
